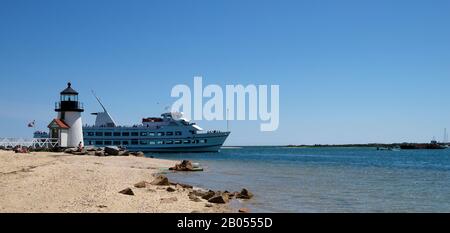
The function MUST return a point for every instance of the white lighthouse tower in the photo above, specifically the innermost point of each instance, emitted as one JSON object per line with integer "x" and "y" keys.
{"x": 68, "y": 127}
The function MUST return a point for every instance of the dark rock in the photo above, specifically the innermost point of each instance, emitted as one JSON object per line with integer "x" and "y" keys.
{"x": 208, "y": 205}
{"x": 193, "y": 197}
{"x": 102, "y": 206}
{"x": 185, "y": 165}
{"x": 141, "y": 184}
{"x": 208, "y": 195}
{"x": 244, "y": 194}
{"x": 170, "y": 189}
{"x": 70, "y": 150}
{"x": 219, "y": 198}
{"x": 112, "y": 150}
{"x": 80, "y": 153}
{"x": 197, "y": 193}
{"x": 127, "y": 191}
{"x": 99, "y": 153}
{"x": 244, "y": 210}
{"x": 160, "y": 180}
{"x": 186, "y": 186}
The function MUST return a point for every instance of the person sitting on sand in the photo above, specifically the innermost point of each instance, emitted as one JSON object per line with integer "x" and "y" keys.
{"x": 80, "y": 147}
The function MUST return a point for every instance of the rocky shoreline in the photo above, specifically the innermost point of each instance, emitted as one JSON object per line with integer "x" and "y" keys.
{"x": 66, "y": 182}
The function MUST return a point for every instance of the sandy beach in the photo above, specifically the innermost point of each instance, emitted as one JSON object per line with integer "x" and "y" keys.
{"x": 57, "y": 183}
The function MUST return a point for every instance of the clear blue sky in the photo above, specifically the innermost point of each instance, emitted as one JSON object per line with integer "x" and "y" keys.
{"x": 349, "y": 71}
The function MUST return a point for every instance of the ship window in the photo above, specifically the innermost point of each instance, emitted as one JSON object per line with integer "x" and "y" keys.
{"x": 99, "y": 134}
{"x": 116, "y": 143}
{"x": 143, "y": 142}
{"x": 126, "y": 134}
{"x": 195, "y": 141}
{"x": 178, "y": 133}
{"x": 169, "y": 133}
{"x": 169, "y": 142}
{"x": 151, "y": 142}
{"x": 161, "y": 134}
{"x": 178, "y": 142}
{"x": 116, "y": 134}
{"x": 108, "y": 134}
{"x": 134, "y": 134}
{"x": 108, "y": 143}
{"x": 159, "y": 142}
{"x": 143, "y": 133}
{"x": 203, "y": 141}
{"x": 151, "y": 134}
{"x": 134, "y": 142}
{"x": 89, "y": 142}
{"x": 124, "y": 142}
{"x": 187, "y": 141}
{"x": 90, "y": 134}
{"x": 98, "y": 142}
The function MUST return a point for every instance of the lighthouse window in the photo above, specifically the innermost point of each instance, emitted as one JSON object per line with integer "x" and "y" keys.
{"x": 134, "y": 134}
{"x": 108, "y": 143}
{"x": 143, "y": 133}
{"x": 178, "y": 133}
{"x": 99, "y": 134}
{"x": 134, "y": 142}
{"x": 116, "y": 134}
{"x": 169, "y": 133}
{"x": 108, "y": 134}
{"x": 126, "y": 134}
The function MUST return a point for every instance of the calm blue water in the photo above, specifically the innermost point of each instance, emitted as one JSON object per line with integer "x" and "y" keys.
{"x": 327, "y": 179}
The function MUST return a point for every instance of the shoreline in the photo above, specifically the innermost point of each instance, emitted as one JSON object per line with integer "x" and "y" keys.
{"x": 49, "y": 182}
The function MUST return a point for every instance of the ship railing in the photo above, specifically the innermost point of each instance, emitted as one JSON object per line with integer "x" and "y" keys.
{"x": 35, "y": 143}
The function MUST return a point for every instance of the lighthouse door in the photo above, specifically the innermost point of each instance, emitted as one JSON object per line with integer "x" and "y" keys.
{"x": 54, "y": 133}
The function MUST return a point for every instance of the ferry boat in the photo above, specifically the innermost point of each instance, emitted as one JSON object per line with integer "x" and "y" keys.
{"x": 168, "y": 133}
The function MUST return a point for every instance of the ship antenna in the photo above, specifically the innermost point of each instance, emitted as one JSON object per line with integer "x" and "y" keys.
{"x": 93, "y": 93}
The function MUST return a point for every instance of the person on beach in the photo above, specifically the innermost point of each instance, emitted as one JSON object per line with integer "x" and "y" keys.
{"x": 80, "y": 146}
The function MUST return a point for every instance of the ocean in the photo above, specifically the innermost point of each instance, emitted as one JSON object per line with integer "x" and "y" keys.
{"x": 325, "y": 180}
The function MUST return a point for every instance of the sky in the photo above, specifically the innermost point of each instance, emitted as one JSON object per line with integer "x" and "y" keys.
{"x": 349, "y": 71}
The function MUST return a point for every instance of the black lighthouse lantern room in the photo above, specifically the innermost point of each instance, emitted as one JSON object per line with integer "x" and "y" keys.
{"x": 69, "y": 101}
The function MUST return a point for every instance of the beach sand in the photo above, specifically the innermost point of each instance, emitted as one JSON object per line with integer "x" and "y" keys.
{"x": 57, "y": 183}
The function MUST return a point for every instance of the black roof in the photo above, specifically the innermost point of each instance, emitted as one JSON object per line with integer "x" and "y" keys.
{"x": 69, "y": 90}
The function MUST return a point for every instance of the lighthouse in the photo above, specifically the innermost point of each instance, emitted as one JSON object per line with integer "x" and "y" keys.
{"x": 67, "y": 127}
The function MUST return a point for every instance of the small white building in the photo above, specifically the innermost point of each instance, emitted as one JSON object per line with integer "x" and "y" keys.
{"x": 68, "y": 126}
